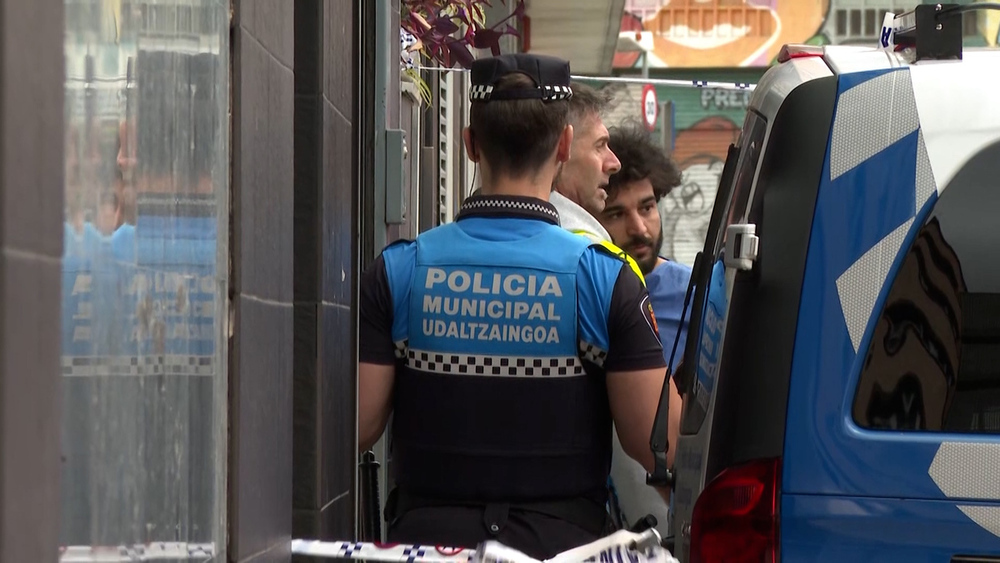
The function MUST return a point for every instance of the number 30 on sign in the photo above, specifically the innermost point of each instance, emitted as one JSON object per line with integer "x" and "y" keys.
{"x": 650, "y": 107}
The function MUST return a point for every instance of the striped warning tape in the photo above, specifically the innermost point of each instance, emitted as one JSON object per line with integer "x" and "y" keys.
{"x": 622, "y": 545}
{"x": 637, "y": 80}
{"x": 392, "y": 552}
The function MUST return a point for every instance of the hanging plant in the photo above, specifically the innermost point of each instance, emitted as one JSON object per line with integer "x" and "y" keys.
{"x": 445, "y": 30}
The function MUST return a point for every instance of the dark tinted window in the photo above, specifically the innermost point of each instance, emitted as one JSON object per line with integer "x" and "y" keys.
{"x": 751, "y": 143}
{"x": 934, "y": 360}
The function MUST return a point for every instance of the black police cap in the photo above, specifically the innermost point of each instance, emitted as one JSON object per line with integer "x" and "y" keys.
{"x": 550, "y": 74}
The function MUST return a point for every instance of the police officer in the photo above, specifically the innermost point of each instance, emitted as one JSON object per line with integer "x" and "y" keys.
{"x": 505, "y": 346}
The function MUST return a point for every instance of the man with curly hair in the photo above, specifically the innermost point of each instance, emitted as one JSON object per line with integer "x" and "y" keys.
{"x": 632, "y": 219}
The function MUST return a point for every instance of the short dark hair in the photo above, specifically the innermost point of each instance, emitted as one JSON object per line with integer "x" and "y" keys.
{"x": 641, "y": 158}
{"x": 516, "y": 137}
{"x": 586, "y": 101}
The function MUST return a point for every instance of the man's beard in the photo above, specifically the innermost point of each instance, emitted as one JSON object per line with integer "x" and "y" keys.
{"x": 646, "y": 264}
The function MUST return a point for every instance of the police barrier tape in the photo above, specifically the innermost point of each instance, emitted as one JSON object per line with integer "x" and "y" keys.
{"x": 157, "y": 551}
{"x": 622, "y": 546}
{"x": 636, "y": 80}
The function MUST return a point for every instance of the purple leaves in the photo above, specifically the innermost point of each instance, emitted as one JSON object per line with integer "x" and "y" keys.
{"x": 448, "y": 28}
{"x": 461, "y": 54}
{"x": 445, "y": 26}
{"x": 488, "y": 39}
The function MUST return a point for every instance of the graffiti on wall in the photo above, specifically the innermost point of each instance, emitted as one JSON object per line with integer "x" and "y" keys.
{"x": 704, "y": 123}
{"x": 749, "y": 33}
{"x": 685, "y": 212}
{"x": 721, "y": 33}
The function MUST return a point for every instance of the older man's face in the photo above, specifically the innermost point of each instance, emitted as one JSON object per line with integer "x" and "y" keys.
{"x": 591, "y": 163}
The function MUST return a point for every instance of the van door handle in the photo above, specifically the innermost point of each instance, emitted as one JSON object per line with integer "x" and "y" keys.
{"x": 975, "y": 559}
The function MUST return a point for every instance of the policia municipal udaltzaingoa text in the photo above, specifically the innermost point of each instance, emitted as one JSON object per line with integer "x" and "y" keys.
{"x": 505, "y": 346}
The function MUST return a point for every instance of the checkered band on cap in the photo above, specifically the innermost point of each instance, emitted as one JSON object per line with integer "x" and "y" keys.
{"x": 544, "y": 93}
{"x": 447, "y": 363}
{"x": 556, "y": 92}
{"x": 480, "y": 93}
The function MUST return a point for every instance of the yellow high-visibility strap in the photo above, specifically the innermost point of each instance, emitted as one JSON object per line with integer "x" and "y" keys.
{"x": 613, "y": 249}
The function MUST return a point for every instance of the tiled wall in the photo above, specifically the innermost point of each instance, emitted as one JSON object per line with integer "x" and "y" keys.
{"x": 260, "y": 478}
{"x": 325, "y": 265}
{"x": 31, "y": 198}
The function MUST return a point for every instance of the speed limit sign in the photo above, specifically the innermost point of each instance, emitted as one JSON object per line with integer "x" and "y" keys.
{"x": 650, "y": 107}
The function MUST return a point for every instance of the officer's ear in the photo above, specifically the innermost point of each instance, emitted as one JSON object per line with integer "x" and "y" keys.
{"x": 470, "y": 144}
{"x": 565, "y": 140}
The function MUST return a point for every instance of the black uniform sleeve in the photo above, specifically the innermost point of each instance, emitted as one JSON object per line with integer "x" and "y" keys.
{"x": 375, "y": 319}
{"x": 634, "y": 340}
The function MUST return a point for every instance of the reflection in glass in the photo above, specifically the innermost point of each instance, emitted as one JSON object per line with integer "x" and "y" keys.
{"x": 912, "y": 367}
{"x": 145, "y": 275}
{"x": 934, "y": 360}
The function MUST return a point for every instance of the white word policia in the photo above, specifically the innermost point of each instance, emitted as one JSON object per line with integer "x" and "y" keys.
{"x": 530, "y": 314}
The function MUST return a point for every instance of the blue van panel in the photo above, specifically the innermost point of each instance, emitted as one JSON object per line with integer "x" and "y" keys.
{"x": 838, "y": 529}
{"x": 825, "y": 452}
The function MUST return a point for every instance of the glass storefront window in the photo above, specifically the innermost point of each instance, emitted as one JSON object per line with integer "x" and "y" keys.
{"x": 145, "y": 276}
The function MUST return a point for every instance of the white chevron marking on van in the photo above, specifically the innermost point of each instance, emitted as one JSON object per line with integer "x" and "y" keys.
{"x": 967, "y": 470}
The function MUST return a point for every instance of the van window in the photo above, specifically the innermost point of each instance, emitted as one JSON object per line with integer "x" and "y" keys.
{"x": 707, "y": 350}
{"x": 750, "y": 148}
{"x": 934, "y": 360}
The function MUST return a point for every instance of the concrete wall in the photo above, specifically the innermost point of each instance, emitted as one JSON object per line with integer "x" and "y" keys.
{"x": 325, "y": 450}
{"x": 260, "y": 477}
{"x": 31, "y": 210}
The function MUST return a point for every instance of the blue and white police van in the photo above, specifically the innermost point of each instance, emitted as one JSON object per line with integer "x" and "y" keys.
{"x": 842, "y": 381}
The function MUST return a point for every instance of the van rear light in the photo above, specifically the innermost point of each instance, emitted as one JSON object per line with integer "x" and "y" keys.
{"x": 735, "y": 519}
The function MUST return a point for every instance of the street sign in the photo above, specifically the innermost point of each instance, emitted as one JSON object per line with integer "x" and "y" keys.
{"x": 650, "y": 106}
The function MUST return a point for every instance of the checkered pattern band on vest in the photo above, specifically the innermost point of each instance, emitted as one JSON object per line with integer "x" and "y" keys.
{"x": 497, "y": 366}
{"x": 501, "y": 366}
{"x": 511, "y": 204}
{"x": 593, "y": 354}
{"x": 400, "y": 350}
